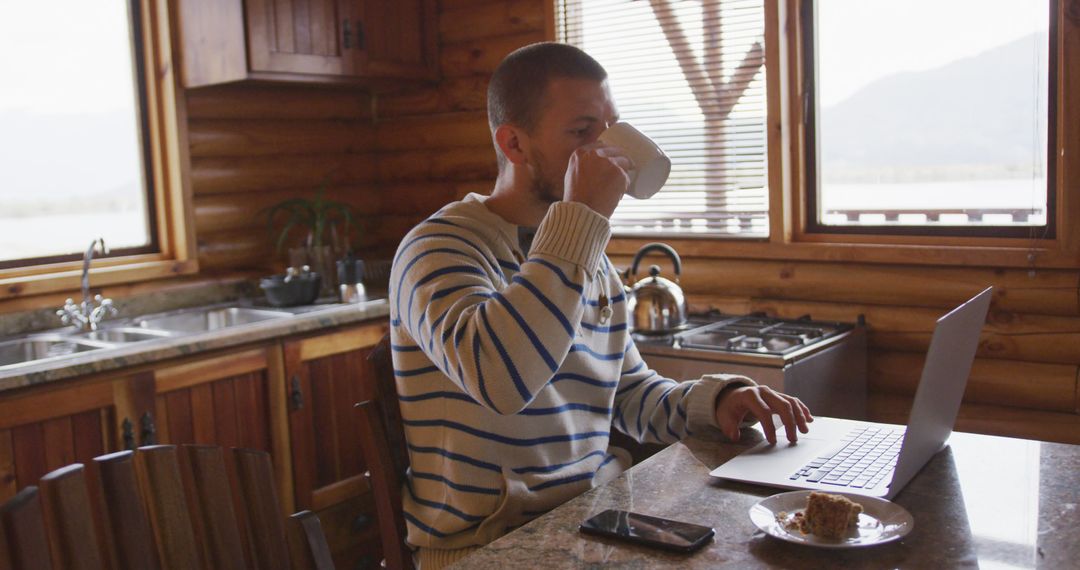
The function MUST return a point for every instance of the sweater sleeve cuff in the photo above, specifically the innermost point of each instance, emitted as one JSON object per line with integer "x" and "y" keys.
{"x": 701, "y": 407}
{"x": 573, "y": 232}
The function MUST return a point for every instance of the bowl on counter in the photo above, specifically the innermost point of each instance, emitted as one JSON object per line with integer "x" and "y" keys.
{"x": 300, "y": 289}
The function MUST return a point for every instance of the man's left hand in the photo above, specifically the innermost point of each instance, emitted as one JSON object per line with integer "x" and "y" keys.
{"x": 761, "y": 402}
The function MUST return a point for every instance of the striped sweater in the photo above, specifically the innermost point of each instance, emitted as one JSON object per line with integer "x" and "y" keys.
{"x": 511, "y": 374}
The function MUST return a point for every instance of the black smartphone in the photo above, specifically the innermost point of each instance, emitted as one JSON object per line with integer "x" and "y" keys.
{"x": 647, "y": 530}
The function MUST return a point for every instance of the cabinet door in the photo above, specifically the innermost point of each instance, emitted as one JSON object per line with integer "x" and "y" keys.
{"x": 51, "y": 427}
{"x": 327, "y": 376}
{"x": 400, "y": 39}
{"x": 232, "y": 400}
{"x": 300, "y": 36}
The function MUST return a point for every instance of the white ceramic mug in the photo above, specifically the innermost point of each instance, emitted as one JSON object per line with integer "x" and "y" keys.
{"x": 651, "y": 165}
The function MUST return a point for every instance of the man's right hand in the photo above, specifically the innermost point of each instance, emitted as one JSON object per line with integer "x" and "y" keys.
{"x": 597, "y": 176}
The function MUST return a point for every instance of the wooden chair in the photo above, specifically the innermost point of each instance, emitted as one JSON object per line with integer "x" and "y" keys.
{"x": 159, "y": 507}
{"x": 125, "y": 525}
{"x": 70, "y": 524}
{"x": 24, "y": 532}
{"x": 386, "y": 456}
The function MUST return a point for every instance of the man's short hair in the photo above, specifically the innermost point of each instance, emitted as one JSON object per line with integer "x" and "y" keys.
{"x": 516, "y": 92}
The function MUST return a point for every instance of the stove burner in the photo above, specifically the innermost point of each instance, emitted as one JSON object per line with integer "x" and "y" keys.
{"x": 751, "y": 342}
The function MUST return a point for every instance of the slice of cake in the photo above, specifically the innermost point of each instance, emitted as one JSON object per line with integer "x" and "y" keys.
{"x": 830, "y": 516}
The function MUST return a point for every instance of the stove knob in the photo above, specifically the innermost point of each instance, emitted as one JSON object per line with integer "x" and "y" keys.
{"x": 751, "y": 342}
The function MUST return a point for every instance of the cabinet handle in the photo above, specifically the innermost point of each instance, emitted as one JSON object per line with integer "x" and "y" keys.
{"x": 360, "y": 35}
{"x": 296, "y": 395}
{"x": 346, "y": 34}
{"x": 148, "y": 435}
{"x": 128, "y": 430}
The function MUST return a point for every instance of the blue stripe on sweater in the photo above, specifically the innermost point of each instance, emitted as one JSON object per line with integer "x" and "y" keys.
{"x": 404, "y": 348}
{"x": 456, "y": 486}
{"x": 448, "y": 270}
{"x": 479, "y": 373}
{"x": 550, "y": 468}
{"x": 416, "y": 522}
{"x": 505, "y": 356}
{"x": 562, "y": 481}
{"x": 565, "y": 408}
{"x": 639, "y": 366}
{"x": 546, "y": 302}
{"x": 447, "y": 508}
{"x": 456, "y": 457}
{"x": 436, "y": 395}
{"x": 605, "y": 462}
{"x": 415, "y": 371}
{"x": 539, "y": 346}
{"x": 415, "y": 260}
{"x": 499, "y": 438}
{"x": 641, "y": 403}
{"x": 614, "y": 300}
{"x": 559, "y": 272}
{"x": 578, "y": 347}
{"x": 667, "y": 409}
{"x": 509, "y": 265}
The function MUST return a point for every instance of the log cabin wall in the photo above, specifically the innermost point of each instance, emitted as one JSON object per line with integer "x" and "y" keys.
{"x": 408, "y": 154}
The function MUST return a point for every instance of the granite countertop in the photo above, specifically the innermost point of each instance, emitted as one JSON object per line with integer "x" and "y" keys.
{"x": 983, "y": 501}
{"x": 150, "y": 351}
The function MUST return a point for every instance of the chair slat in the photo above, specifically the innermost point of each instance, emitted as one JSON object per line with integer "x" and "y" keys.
{"x": 69, "y": 520}
{"x": 128, "y": 533}
{"x": 266, "y": 525}
{"x": 382, "y": 438}
{"x": 307, "y": 543}
{"x": 24, "y": 528}
{"x": 208, "y": 486}
{"x": 159, "y": 477}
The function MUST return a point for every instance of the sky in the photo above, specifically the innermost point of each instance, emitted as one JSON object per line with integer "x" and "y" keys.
{"x": 47, "y": 69}
{"x": 863, "y": 40}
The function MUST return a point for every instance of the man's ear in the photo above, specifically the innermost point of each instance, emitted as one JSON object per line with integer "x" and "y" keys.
{"x": 513, "y": 142}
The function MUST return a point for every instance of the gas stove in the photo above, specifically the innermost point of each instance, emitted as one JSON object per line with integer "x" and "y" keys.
{"x": 821, "y": 362}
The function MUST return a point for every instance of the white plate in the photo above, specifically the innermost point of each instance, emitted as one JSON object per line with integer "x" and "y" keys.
{"x": 881, "y": 521}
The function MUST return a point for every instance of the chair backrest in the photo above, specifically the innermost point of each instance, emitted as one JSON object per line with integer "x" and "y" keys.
{"x": 207, "y": 484}
{"x": 68, "y": 519}
{"x": 382, "y": 437}
{"x": 24, "y": 532}
{"x": 126, "y": 527}
{"x": 266, "y": 525}
{"x": 158, "y": 468}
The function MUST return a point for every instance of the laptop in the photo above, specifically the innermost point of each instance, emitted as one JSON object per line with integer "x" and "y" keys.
{"x": 874, "y": 459}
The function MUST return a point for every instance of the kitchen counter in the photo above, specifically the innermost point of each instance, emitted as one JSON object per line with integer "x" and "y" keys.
{"x": 150, "y": 351}
{"x": 983, "y": 501}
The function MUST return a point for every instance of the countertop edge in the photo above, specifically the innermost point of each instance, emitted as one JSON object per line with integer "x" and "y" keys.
{"x": 149, "y": 352}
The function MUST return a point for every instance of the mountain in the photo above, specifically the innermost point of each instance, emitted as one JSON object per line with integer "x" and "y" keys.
{"x": 964, "y": 115}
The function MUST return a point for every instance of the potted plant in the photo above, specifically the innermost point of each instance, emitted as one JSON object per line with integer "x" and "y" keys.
{"x": 327, "y": 227}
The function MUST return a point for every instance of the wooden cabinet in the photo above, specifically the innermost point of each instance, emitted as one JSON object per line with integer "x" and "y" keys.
{"x": 293, "y": 398}
{"x": 370, "y": 42}
{"x": 233, "y": 399}
{"x": 327, "y": 375}
{"x": 52, "y": 427}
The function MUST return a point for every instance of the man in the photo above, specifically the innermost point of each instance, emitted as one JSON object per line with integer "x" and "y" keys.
{"x": 509, "y": 326}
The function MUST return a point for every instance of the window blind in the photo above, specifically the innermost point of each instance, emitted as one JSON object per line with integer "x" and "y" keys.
{"x": 690, "y": 74}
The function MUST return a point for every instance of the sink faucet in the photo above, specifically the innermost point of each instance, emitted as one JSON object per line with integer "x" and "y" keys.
{"x": 86, "y": 316}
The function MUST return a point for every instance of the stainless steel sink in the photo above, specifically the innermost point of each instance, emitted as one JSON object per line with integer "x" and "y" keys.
{"x": 42, "y": 347}
{"x": 124, "y": 335}
{"x": 192, "y": 321}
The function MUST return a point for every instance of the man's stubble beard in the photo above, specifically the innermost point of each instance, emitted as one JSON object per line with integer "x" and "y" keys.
{"x": 543, "y": 187}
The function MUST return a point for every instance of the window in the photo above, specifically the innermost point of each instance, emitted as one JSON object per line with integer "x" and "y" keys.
{"x": 690, "y": 74}
{"x": 929, "y": 117}
{"x": 72, "y": 134}
{"x": 92, "y": 144}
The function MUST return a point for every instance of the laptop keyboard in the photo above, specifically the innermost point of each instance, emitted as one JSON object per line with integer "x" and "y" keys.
{"x": 864, "y": 457}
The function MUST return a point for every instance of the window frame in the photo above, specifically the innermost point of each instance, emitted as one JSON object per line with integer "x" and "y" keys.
{"x": 789, "y": 235}
{"x": 169, "y": 199}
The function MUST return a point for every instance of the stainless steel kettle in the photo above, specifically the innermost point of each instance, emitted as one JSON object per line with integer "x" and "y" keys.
{"x": 656, "y": 305}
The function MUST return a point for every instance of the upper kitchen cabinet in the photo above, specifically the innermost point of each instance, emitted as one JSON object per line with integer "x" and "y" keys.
{"x": 376, "y": 43}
